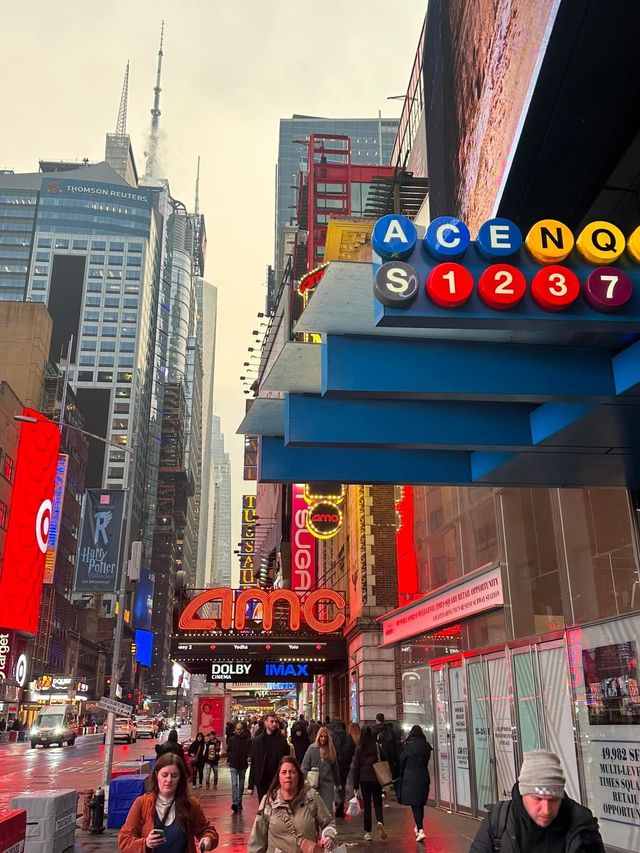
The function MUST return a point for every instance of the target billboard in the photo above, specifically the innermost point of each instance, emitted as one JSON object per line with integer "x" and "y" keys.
{"x": 26, "y": 543}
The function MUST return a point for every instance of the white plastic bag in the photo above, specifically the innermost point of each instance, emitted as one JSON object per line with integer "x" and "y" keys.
{"x": 353, "y": 809}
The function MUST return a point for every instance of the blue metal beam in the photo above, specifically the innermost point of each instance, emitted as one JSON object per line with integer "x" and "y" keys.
{"x": 464, "y": 370}
{"x": 626, "y": 371}
{"x": 416, "y": 424}
{"x": 280, "y": 464}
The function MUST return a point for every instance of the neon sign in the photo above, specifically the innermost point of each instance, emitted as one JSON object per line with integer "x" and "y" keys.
{"x": 234, "y": 609}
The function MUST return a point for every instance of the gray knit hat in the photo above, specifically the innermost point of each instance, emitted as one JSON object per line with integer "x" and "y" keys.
{"x": 541, "y": 773}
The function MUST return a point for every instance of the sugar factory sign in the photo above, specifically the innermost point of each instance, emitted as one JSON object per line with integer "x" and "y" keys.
{"x": 234, "y": 609}
{"x": 5, "y": 656}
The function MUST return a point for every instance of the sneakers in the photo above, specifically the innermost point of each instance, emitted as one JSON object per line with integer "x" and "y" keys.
{"x": 382, "y": 830}
{"x": 420, "y": 835}
{"x": 415, "y": 830}
{"x": 367, "y": 836}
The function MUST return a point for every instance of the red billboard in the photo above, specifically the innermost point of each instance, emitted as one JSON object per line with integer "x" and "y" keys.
{"x": 22, "y": 566}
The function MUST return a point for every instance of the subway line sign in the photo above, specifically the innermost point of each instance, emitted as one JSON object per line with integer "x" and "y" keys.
{"x": 446, "y": 280}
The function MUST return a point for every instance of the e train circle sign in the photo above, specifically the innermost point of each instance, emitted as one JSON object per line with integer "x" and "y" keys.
{"x": 445, "y": 279}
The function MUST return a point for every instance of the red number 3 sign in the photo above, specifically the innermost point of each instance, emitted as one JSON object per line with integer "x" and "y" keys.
{"x": 555, "y": 287}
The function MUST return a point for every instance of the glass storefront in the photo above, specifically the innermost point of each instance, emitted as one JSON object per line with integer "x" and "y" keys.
{"x": 523, "y": 676}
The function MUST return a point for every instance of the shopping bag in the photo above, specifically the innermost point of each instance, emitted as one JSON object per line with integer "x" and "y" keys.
{"x": 382, "y": 769}
{"x": 342, "y": 848}
{"x": 313, "y": 777}
{"x": 353, "y": 809}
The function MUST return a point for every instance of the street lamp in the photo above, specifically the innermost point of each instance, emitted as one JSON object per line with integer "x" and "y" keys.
{"x": 117, "y": 643}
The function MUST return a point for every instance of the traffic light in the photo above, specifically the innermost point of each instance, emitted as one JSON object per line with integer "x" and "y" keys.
{"x": 107, "y": 687}
{"x": 129, "y": 695}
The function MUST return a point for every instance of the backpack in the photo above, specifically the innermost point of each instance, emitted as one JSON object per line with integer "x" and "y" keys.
{"x": 498, "y": 822}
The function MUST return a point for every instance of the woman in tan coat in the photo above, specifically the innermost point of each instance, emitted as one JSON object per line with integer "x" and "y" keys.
{"x": 292, "y": 816}
{"x": 167, "y": 815}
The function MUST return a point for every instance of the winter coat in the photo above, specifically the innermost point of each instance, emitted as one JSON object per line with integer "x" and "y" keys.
{"x": 344, "y": 744}
{"x": 575, "y": 830}
{"x": 414, "y": 784}
{"x": 197, "y": 750}
{"x": 140, "y": 822}
{"x": 168, "y": 746}
{"x": 300, "y": 742}
{"x": 306, "y": 812}
{"x": 259, "y": 755}
{"x": 238, "y": 749}
{"x": 362, "y": 765}
{"x": 329, "y": 776}
{"x": 386, "y": 737}
{"x": 212, "y": 751}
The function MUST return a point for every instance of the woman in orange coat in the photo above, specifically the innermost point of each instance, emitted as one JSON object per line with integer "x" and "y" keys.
{"x": 167, "y": 816}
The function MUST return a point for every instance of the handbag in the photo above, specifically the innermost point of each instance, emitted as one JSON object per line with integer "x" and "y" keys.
{"x": 313, "y": 777}
{"x": 382, "y": 769}
{"x": 305, "y": 844}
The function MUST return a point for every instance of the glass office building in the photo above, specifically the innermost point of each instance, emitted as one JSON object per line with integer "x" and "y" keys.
{"x": 371, "y": 143}
{"x": 90, "y": 253}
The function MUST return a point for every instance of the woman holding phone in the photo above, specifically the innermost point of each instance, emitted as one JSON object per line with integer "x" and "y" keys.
{"x": 167, "y": 817}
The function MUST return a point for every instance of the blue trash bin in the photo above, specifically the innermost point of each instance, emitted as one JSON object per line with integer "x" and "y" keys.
{"x": 122, "y": 792}
{"x": 22, "y": 736}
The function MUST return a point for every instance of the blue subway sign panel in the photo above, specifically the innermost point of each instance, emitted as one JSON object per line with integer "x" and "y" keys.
{"x": 589, "y": 281}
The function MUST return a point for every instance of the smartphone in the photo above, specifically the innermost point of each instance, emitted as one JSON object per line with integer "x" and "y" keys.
{"x": 159, "y": 833}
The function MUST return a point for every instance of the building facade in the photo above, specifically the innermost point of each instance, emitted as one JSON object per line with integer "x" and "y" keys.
{"x": 371, "y": 143}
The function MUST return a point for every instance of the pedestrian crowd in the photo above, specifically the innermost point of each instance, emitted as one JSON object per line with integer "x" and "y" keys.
{"x": 324, "y": 770}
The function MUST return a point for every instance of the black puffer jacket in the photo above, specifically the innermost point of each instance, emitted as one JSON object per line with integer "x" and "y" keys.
{"x": 413, "y": 789}
{"x": 575, "y": 830}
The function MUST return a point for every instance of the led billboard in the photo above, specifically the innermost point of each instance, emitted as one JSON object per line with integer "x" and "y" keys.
{"x": 27, "y": 539}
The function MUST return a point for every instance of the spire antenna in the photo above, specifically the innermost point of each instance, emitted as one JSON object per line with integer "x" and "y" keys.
{"x": 152, "y": 153}
{"x": 196, "y": 207}
{"x": 121, "y": 124}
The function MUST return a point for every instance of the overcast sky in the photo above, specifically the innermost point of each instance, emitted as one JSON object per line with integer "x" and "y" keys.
{"x": 231, "y": 71}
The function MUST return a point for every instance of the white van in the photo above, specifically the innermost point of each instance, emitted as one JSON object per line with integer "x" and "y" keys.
{"x": 55, "y": 724}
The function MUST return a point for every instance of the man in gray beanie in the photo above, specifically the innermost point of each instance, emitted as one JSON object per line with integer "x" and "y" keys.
{"x": 539, "y": 817}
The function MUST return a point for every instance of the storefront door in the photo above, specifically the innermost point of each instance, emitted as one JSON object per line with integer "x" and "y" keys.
{"x": 453, "y": 782}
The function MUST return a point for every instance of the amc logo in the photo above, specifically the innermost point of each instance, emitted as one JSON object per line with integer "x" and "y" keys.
{"x": 233, "y": 613}
{"x": 324, "y": 519}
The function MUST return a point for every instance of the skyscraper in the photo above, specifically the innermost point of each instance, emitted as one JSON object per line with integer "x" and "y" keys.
{"x": 220, "y": 569}
{"x": 371, "y": 143}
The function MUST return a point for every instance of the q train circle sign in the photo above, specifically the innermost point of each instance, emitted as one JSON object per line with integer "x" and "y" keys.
{"x": 447, "y": 280}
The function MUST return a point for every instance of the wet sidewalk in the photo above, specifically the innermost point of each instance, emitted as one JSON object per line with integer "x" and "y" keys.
{"x": 445, "y": 833}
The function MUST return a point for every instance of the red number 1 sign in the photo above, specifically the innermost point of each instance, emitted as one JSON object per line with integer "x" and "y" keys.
{"x": 449, "y": 285}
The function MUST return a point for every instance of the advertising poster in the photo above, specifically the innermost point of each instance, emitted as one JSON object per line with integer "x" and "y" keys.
{"x": 27, "y": 538}
{"x": 143, "y": 601}
{"x": 442, "y": 732}
{"x": 56, "y": 510}
{"x": 211, "y": 714}
{"x": 99, "y": 548}
{"x": 603, "y": 661}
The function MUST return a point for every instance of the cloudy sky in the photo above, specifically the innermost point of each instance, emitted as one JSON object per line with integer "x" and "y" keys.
{"x": 231, "y": 71}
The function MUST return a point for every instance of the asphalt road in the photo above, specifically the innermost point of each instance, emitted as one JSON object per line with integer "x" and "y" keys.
{"x": 23, "y": 769}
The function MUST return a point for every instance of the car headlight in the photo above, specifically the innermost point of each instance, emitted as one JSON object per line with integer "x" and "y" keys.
{"x": 34, "y": 732}
{"x": 58, "y": 730}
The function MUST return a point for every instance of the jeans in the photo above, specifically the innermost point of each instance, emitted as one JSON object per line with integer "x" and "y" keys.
{"x": 418, "y": 815}
{"x": 208, "y": 770}
{"x": 196, "y": 771}
{"x": 371, "y": 791}
{"x": 237, "y": 785}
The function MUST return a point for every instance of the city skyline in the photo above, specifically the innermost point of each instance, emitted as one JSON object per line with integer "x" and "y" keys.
{"x": 259, "y": 68}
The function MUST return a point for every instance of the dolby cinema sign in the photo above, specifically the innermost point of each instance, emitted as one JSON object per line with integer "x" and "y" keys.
{"x": 244, "y": 672}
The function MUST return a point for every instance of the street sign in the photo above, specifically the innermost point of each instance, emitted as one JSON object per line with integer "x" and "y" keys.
{"x": 115, "y": 707}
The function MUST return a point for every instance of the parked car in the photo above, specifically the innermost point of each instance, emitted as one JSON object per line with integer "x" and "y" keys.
{"x": 125, "y": 729}
{"x": 146, "y": 727}
{"x": 55, "y": 724}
